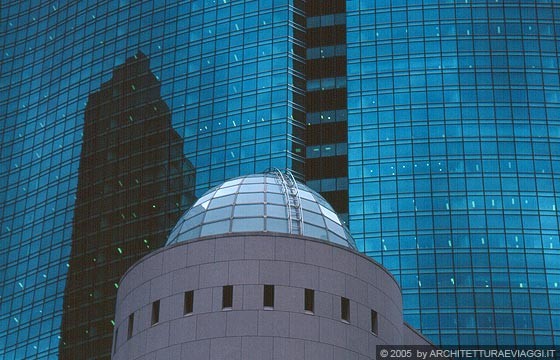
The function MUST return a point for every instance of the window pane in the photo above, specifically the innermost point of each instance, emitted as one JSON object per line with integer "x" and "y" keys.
{"x": 309, "y": 300}
{"x": 227, "y": 297}
{"x": 155, "y": 312}
{"x": 374, "y": 322}
{"x": 189, "y": 303}
{"x": 268, "y": 298}
{"x": 130, "y": 325}
{"x": 345, "y": 309}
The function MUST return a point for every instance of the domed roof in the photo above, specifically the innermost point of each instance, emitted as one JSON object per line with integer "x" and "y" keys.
{"x": 269, "y": 202}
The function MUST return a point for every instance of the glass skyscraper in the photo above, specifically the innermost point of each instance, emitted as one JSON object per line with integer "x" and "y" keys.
{"x": 232, "y": 75}
{"x": 435, "y": 126}
{"x": 454, "y": 162}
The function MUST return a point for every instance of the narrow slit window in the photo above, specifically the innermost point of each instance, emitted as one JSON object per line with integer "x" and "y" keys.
{"x": 268, "y": 298}
{"x": 189, "y": 303}
{"x": 374, "y": 322}
{"x": 155, "y": 312}
{"x": 130, "y": 325}
{"x": 345, "y": 309}
{"x": 227, "y": 297}
{"x": 115, "y": 341}
{"x": 309, "y": 301}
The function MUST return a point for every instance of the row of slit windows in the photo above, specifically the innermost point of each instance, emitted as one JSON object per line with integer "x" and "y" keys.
{"x": 268, "y": 304}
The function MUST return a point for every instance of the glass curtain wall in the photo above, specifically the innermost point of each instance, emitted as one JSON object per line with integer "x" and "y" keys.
{"x": 454, "y": 171}
{"x": 230, "y": 73}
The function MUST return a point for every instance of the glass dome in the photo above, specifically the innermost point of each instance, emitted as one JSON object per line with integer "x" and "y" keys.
{"x": 269, "y": 202}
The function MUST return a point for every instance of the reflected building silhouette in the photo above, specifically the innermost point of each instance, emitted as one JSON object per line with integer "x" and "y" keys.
{"x": 134, "y": 183}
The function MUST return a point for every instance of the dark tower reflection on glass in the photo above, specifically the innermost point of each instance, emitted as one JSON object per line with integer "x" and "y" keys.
{"x": 134, "y": 183}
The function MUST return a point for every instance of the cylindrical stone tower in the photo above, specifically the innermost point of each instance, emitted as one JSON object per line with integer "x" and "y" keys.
{"x": 259, "y": 268}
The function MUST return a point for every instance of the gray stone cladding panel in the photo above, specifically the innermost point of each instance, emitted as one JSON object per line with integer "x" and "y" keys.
{"x": 341, "y": 353}
{"x": 134, "y": 281}
{"x": 344, "y": 261}
{"x": 243, "y": 272}
{"x": 389, "y": 314}
{"x": 332, "y": 282}
{"x": 185, "y": 279}
{"x": 142, "y": 318}
{"x": 357, "y": 340}
{"x": 137, "y": 298}
{"x": 238, "y": 297}
{"x": 153, "y": 266}
{"x": 324, "y": 305}
{"x": 365, "y": 270}
{"x": 256, "y": 248}
{"x": 330, "y": 332}
{"x": 215, "y": 302}
{"x": 136, "y": 346}
{"x": 247, "y": 331}
{"x": 225, "y": 348}
{"x": 364, "y": 317}
{"x": 289, "y": 249}
{"x": 375, "y": 298}
{"x": 353, "y": 313}
{"x": 274, "y": 272}
{"x": 214, "y": 274}
{"x": 303, "y": 326}
{"x": 182, "y": 330}
{"x": 201, "y": 252}
{"x": 166, "y": 306}
{"x": 211, "y": 325}
{"x": 274, "y": 323}
{"x": 157, "y": 337}
{"x": 160, "y": 286}
{"x": 318, "y": 254}
{"x": 176, "y": 259}
{"x": 241, "y": 323}
{"x": 304, "y": 275}
{"x": 202, "y": 302}
{"x": 288, "y": 298}
{"x": 230, "y": 248}
{"x": 356, "y": 289}
{"x": 286, "y": 348}
{"x": 172, "y": 352}
{"x": 199, "y": 350}
{"x": 315, "y": 350}
{"x": 257, "y": 348}
{"x": 388, "y": 286}
{"x": 149, "y": 356}
{"x": 389, "y": 328}
{"x": 252, "y": 297}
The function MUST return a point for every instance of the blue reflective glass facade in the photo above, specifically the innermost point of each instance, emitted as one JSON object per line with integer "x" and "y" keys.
{"x": 231, "y": 73}
{"x": 454, "y": 162}
{"x": 433, "y": 126}
{"x": 242, "y": 100}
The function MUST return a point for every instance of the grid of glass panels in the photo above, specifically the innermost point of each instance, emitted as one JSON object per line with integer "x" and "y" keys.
{"x": 454, "y": 162}
{"x": 258, "y": 203}
{"x": 213, "y": 58}
{"x": 244, "y": 101}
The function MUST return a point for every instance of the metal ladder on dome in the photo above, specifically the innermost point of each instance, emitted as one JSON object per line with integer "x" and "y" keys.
{"x": 293, "y": 201}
